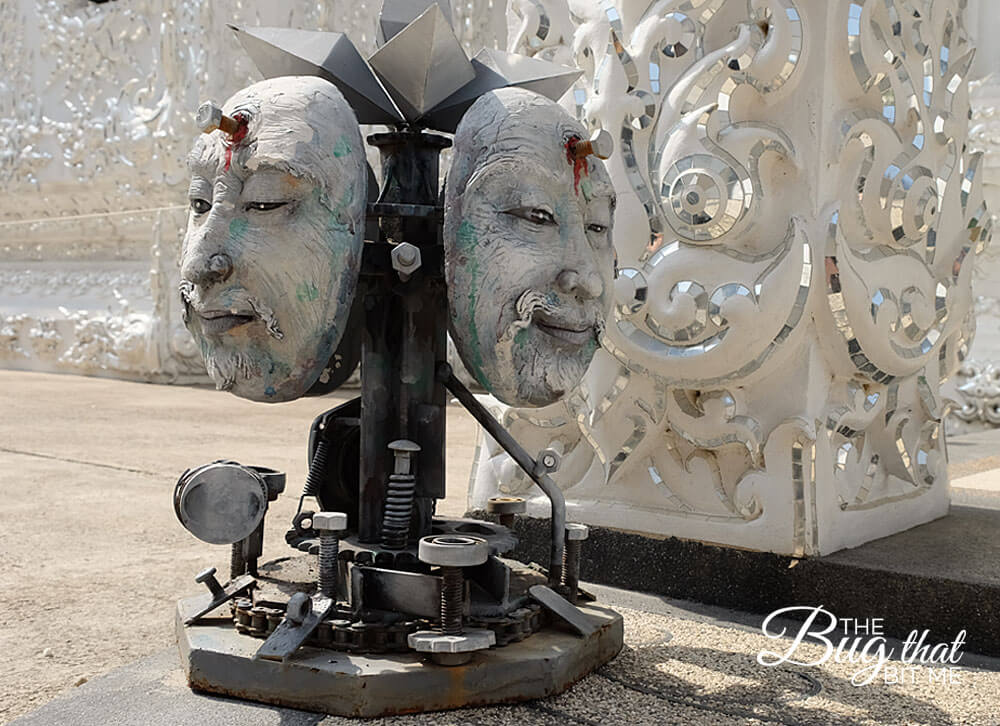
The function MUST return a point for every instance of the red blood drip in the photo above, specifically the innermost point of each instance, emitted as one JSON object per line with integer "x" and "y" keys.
{"x": 579, "y": 163}
{"x": 235, "y": 139}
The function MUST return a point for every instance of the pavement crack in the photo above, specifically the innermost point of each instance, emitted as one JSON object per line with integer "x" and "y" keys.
{"x": 70, "y": 460}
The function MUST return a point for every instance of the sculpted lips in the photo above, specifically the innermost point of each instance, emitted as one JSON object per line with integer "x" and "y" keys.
{"x": 562, "y": 329}
{"x": 217, "y": 322}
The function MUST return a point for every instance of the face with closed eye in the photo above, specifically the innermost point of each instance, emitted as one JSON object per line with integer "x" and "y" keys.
{"x": 273, "y": 246}
{"x": 528, "y": 252}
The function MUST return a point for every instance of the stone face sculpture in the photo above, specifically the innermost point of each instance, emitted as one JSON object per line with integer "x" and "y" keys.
{"x": 529, "y": 259}
{"x": 273, "y": 247}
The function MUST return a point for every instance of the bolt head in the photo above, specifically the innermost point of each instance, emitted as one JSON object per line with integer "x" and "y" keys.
{"x": 549, "y": 459}
{"x": 329, "y": 521}
{"x": 404, "y": 445}
{"x": 205, "y": 575}
{"x": 405, "y": 257}
{"x": 209, "y": 117}
{"x": 603, "y": 144}
{"x": 576, "y": 531}
{"x": 453, "y": 550}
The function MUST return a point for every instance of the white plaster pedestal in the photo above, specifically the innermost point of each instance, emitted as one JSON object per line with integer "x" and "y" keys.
{"x": 797, "y": 223}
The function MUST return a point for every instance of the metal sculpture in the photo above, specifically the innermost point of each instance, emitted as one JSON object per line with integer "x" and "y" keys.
{"x": 388, "y": 609}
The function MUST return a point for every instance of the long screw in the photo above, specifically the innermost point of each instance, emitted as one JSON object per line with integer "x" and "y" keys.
{"x": 575, "y": 535}
{"x": 329, "y": 525}
{"x": 452, "y": 598}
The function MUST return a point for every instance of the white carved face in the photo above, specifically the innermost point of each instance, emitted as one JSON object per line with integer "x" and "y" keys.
{"x": 273, "y": 246}
{"x": 528, "y": 252}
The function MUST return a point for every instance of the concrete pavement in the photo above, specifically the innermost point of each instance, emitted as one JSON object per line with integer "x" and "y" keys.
{"x": 91, "y": 560}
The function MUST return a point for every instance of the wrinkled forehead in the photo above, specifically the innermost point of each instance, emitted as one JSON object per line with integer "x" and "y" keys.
{"x": 526, "y": 134}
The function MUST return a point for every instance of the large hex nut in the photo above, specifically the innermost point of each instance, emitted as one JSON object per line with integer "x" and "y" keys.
{"x": 431, "y": 641}
{"x": 329, "y": 521}
{"x": 453, "y": 550}
{"x": 405, "y": 259}
{"x": 506, "y": 505}
{"x": 576, "y": 531}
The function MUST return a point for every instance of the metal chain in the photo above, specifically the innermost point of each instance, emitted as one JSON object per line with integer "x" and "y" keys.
{"x": 357, "y": 637}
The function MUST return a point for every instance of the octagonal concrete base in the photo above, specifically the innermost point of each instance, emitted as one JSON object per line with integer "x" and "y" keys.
{"x": 219, "y": 660}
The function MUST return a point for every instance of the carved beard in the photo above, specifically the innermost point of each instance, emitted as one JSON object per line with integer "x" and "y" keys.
{"x": 539, "y": 376}
{"x": 224, "y": 366}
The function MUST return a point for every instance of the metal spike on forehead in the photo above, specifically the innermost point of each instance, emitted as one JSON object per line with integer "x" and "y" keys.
{"x": 331, "y": 56}
{"x": 397, "y": 14}
{"x": 423, "y": 64}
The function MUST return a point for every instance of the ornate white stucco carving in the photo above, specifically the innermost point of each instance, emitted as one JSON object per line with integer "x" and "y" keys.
{"x": 97, "y": 107}
{"x": 797, "y": 223}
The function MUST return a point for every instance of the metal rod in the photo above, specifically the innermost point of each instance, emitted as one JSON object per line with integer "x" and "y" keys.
{"x": 446, "y": 376}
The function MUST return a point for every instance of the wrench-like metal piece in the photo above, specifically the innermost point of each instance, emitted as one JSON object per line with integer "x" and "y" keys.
{"x": 292, "y": 632}
{"x": 563, "y": 609}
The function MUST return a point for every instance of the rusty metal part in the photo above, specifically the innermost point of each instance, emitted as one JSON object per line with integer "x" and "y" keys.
{"x": 601, "y": 144}
{"x": 217, "y": 594}
{"x": 523, "y": 459}
{"x": 399, "y": 496}
{"x": 575, "y": 536}
{"x": 210, "y": 117}
{"x": 563, "y": 609}
{"x": 293, "y": 631}
{"x": 340, "y": 633}
{"x": 506, "y": 508}
{"x": 329, "y": 524}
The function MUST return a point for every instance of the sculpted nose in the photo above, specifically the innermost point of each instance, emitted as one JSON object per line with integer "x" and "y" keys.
{"x": 207, "y": 270}
{"x": 586, "y": 286}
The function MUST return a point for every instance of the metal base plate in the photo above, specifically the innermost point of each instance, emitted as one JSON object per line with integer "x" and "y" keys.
{"x": 219, "y": 660}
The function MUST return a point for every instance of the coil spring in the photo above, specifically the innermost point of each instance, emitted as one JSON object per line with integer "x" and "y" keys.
{"x": 329, "y": 551}
{"x": 398, "y": 510}
{"x": 452, "y": 598}
{"x": 317, "y": 469}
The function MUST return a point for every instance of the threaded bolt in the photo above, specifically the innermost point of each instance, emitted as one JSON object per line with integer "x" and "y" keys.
{"x": 237, "y": 562}
{"x": 575, "y": 536}
{"x": 329, "y": 525}
{"x": 452, "y": 598}
{"x": 398, "y": 507}
{"x": 317, "y": 468}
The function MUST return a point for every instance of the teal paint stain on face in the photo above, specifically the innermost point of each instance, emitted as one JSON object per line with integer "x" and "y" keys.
{"x": 238, "y": 227}
{"x": 467, "y": 235}
{"x": 521, "y": 337}
{"x": 587, "y": 187}
{"x": 477, "y": 353}
{"x": 269, "y": 391}
{"x": 342, "y": 147}
{"x": 306, "y": 292}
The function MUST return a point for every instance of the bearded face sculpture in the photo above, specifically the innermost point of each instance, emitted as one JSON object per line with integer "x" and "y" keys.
{"x": 528, "y": 259}
{"x": 273, "y": 246}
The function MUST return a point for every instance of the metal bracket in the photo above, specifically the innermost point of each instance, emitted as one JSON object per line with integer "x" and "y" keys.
{"x": 563, "y": 609}
{"x": 292, "y": 633}
{"x": 208, "y": 601}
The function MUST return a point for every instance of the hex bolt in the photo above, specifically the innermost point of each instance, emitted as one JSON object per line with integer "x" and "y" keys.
{"x": 208, "y": 577}
{"x": 405, "y": 259}
{"x": 451, "y": 553}
{"x": 210, "y": 117}
{"x": 575, "y": 536}
{"x": 506, "y": 508}
{"x": 329, "y": 525}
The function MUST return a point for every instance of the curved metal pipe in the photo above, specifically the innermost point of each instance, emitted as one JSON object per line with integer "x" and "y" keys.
{"x": 535, "y": 470}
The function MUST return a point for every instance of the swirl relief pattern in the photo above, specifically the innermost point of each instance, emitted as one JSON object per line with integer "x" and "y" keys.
{"x": 797, "y": 222}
